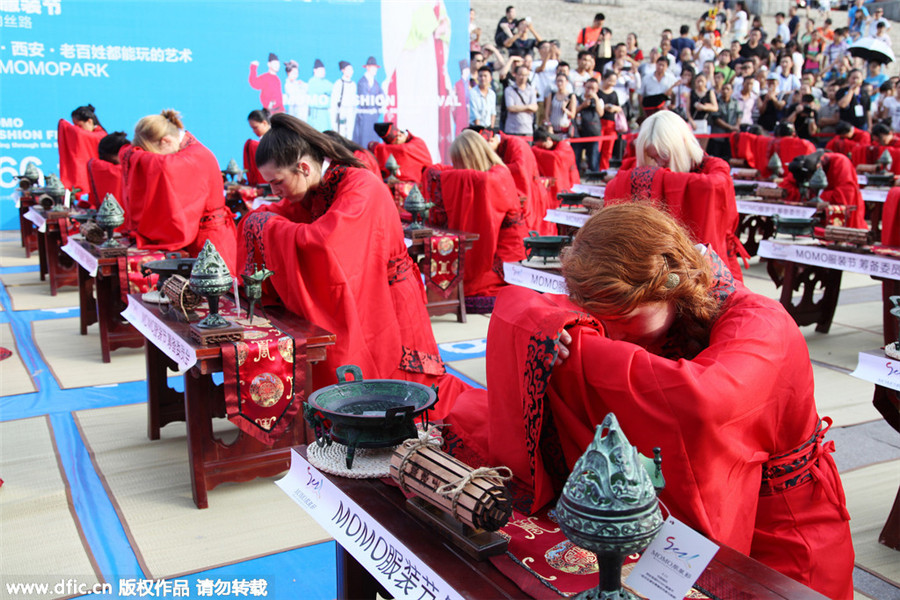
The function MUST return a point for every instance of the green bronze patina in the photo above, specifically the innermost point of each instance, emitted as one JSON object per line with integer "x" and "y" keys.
{"x": 609, "y": 505}
{"x": 416, "y": 206}
{"x": 373, "y": 413}
{"x": 210, "y": 278}
{"x": 109, "y": 216}
{"x": 253, "y": 288}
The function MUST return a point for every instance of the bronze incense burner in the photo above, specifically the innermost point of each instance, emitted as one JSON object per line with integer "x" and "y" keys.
{"x": 609, "y": 505}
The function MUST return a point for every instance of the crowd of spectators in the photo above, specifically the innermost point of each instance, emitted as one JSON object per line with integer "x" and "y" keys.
{"x": 723, "y": 74}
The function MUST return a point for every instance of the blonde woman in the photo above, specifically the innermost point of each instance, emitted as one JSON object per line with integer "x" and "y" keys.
{"x": 173, "y": 190}
{"x": 478, "y": 195}
{"x": 674, "y": 172}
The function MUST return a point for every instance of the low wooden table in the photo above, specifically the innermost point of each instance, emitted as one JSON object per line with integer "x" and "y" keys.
{"x": 213, "y": 462}
{"x": 27, "y": 231}
{"x": 437, "y": 304}
{"x": 796, "y": 265}
{"x": 729, "y": 575}
{"x": 99, "y": 271}
{"x": 52, "y": 235}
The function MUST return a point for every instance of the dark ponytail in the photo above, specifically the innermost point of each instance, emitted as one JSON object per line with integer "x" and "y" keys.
{"x": 289, "y": 139}
{"x": 260, "y": 115}
{"x": 85, "y": 113}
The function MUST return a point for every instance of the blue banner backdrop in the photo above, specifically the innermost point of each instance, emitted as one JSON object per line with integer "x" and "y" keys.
{"x": 341, "y": 64}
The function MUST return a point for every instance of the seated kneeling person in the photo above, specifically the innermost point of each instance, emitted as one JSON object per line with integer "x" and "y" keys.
{"x": 658, "y": 332}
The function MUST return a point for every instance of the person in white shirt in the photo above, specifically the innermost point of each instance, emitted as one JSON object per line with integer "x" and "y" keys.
{"x": 873, "y": 21}
{"x": 739, "y": 23}
{"x": 483, "y": 100}
{"x": 747, "y": 101}
{"x": 705, "y": 53}
{"x": 787, "y": 81}
{"x": 782, "y": 31}
{"x": 544, "y": 69}
{"x": 745, "y": 71}
{"x": 584, "y": 71}
{"x": 889, "y": 107}
{"x": 655, "y": 88}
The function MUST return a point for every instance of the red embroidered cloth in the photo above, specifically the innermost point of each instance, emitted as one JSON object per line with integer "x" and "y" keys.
{"x": 264, "y": 388}
{"x": 541, "y": 560}
{"x": 445, "y": 263}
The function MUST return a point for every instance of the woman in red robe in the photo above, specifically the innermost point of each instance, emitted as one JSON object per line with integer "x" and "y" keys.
{"x": 336, "y": 246}
{"x": 173, "y": 191}
{"x": 534, "y": 197}
{"x": 105, "y": 173}
{"x": 78, "y": 143}
{"x": 690, "y": 361}
{"x": 674, "y": 172}
{"x": 555, "y": 160}
{"x": 478, "y": 195}
{"x": 410, "y": 152}
{"x": 259, "y": 123}
{"x": 843, "y": 187}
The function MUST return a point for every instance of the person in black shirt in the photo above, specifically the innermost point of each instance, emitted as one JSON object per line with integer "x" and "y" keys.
{"x": 853, "y": 103}
{"x": 518, "y": 45}
{"x": 505, "y": 27}
{"x": 588, "y": 123}
{"x": 755, "y": 47}
{"x": 607, "y": 94}
{"x": 769, "y": 104}
{"x": 803, "y": 115}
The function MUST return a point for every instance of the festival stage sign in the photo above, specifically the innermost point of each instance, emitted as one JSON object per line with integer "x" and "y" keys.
{"x": 338, "y": 64}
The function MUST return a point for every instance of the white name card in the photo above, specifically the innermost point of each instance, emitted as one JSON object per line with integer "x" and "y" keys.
{"x": 597, "y": 191}
{"x": 861, "y": 179}
{"x": 879, "y": 369}
{"x": 160, "y": 335}
{"x": 870, "y": 195}
{"x": 37, "y": 218}
{"x": 398, "y": 569}
{"x": 672, "y": 562}
{"x": 565, "y": 217}
{"x": 819, "y": 256}
{"x": 85, "y": 259}
{"x": 535, "y": 279}
{"x": 767, "y": 209}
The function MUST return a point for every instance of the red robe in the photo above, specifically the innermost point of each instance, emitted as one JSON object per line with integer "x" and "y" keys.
{"x": 177, "y": 201}
{"x": 758, "y": 149}
{"x": 845, "y": 145}
{"x": 76, "y": 147}
{"x": 843, "y": 188}
{"x": 533, "y": 194}
{"x": 890, "y": 219}
{"x": 340, "y": 262}
{"x": 368, "y": 160}
{"x": 254, "y": 177}
{"x": 702, "y": 200}
{"x": 484, "y": 203}
{"x": 103, "y": 178}
{"x": 742, "y": 401}
{"x": 559, "y": 164}
{"x": 412, "y": 156}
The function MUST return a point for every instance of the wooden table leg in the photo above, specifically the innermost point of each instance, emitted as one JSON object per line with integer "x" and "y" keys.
{"x": 792, "y": 276}
{"x": 42, "y": 255}
{"x": 164, "y": 404}
{"x": 86, "y": 303}
{"x": 353, "y": 581}
{"x": 197, "y": 391}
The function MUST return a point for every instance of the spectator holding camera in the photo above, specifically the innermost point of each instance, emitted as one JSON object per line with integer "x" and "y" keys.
{"x": 853, "y": 102}
{"x": 518, "y": 44}
{"x": 804, "y": 117}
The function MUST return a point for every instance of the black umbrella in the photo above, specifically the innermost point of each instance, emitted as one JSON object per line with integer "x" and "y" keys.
{"x": 871, "y": 50}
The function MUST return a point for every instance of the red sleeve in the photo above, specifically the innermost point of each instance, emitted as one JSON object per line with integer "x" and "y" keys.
{"x": 333, "y": 271}
{"x": 104, "y": 178}
{"x": 890, "y": 219}
{"x": 412, "y": 156}
{"x": 368, "y": 160}
{"x": 253, "y": 175}
{"x": 76, "y": 147}
{"x": 484, "y": 203}
{"x": 255, "y": 81}
{"x": 712, "y": 449}
{"x": 523, "y": 166}
{"x": 843, "y": 188}
{"x": 169, "y": 193}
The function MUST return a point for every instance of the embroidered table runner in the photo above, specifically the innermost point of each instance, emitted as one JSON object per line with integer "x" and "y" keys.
{"x": 541, "y": 558}
{"x": 444, "y": 260}
{"x": 265, "y": 376}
